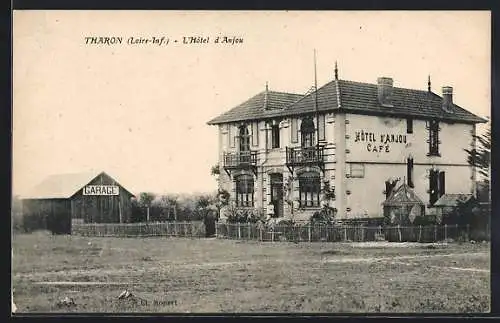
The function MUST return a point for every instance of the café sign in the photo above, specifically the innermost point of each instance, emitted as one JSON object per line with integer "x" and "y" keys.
{"x": 379, "y": 142}
{"x": 100, "y": 190}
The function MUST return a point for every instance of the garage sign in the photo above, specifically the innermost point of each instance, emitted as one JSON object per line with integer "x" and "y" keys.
{"x": 100, "y": 190}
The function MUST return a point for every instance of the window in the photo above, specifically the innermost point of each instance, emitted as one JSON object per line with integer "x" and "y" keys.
{"x": 436, "y": 185}
{"x": 244, "y": 190}
{"x": 409, "y": 172}
{"x": 433, "y": 138}
{"x": 409, "y": 125}
{"x": 321, "y": 127}
{"x": 307, "y": 132}
{"x": 309, "y": 189}
{"x": 441, "y": 183}
{"x": 244, "y": 135}
{"x": 255, "y": 133}
{"x": 294, "y": 131}
{"x": 275, "y": 134}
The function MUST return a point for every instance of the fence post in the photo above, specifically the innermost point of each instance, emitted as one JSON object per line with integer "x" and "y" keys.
{"x": 345, "y": 233}
{"x": 216, "y": 229}
{"x": 248, "y": 230}
{"x": 399, "y": 232}
{"x": 260, "y": 233}
{"x": 239, "y": 231}
{"x": 309, "y": 231}
{"x": 435, "y": 232}
{"x": 272, "y": 235}
{"x": 419, "y": 233}
{"x": 445, "y": 233}
{"x": 362, "y": 233}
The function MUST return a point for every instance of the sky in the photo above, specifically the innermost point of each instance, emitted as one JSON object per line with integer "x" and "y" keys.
{"x": 139, "y": 111}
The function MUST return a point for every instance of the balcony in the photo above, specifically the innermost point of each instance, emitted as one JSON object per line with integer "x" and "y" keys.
{"x": 310, "y": 156}
{"x": 240, "y": 160}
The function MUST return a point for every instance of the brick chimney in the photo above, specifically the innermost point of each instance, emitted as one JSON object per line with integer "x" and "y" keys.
{"x": 384, "y": 88}
{"x": 447, "y": 98}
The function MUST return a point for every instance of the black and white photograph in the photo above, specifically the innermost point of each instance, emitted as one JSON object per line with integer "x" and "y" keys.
{"x": 253, "y": 162}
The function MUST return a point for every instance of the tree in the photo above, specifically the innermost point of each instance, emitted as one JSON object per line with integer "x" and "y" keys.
{"x": 480, "y": 156}
{"x": 146, "y": 199}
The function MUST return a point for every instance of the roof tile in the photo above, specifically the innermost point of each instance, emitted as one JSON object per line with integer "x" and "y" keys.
{"x": 355, "y": 97}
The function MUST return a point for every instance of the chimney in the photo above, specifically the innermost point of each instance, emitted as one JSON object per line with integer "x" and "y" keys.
{"x": 447, "y": 98}
{"x": 384, "y": 87}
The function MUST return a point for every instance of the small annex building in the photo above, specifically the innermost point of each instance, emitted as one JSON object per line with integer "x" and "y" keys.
{"x": 403, "y": 206}
{"x": 88, "y": 197}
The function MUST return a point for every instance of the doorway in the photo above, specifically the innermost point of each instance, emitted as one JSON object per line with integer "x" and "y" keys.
{"x": 277, "y": 194}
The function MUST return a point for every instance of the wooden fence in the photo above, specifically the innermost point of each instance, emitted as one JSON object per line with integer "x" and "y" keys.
{"x": 330, "y": 233}
{"x": 151, "y": 229}
{"x": 296, "y": 233}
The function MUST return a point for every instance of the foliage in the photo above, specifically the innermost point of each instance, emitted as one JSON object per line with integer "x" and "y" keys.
{"x": 327, "y": 213}
{"x": 480, "y": 157}
{"x": 236, "y": 214}
{"x": 146, "y": 199}
{"x": 467, "y": 213}
{"x": 215, "y": 170}
{"x": 324, "y": 216}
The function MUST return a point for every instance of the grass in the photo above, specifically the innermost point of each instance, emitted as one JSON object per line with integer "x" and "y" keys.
{"x": 208, "y": 275}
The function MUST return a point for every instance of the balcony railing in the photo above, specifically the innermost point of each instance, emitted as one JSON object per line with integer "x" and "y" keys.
{"x": 305, "y": 156}
{"x": 241, "y": 159}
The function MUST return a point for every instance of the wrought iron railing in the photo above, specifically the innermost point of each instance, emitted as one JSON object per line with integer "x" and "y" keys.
{"x": 240, "y": 159}
{"x": 305, "y": 155}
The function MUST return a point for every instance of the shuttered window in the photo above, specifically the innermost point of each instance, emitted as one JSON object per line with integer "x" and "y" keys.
{"x": 409, "y": 172}
{"x": 433, "y": 187}
{"x": 294, "y": 131}
{"x": 441, "y": 184}
{"x": 321, "y": 127}
{"x": 231, "y": 136}
{"x": 255, "y": 133}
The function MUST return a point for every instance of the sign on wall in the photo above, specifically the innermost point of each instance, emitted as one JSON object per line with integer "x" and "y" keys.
{"x": 379, "y": 142}
{"x": 100, "y": 190}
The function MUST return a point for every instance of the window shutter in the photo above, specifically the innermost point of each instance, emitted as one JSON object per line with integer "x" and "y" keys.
{"x": 433, "y": 187}
{"x": 321, "y": 127}
{"x": 255, "y": 134}
{"x": 409, "y": 172}
{"x": 294, "y": 130}
{"x": 441, "y": 184}
{"x": 231, "y": 136}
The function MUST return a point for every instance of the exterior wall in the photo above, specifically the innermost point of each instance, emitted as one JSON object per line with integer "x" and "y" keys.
{"x": 102, "y": 209}
{"x": 272, "y": 160}
{"x": 389, "y": 161}
{"x": 366, "y": 194}
{"x": 350, "y": 140}
{"x": 54, "y": 212}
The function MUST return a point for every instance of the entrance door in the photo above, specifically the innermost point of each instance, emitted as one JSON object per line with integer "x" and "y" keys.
{"x": 277, "y": 194}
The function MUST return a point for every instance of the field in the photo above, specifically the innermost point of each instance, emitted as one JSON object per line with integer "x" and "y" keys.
{"x": 211, "y": 275}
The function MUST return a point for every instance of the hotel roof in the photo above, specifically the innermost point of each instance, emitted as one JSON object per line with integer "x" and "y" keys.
{"x": 347, "y": 96}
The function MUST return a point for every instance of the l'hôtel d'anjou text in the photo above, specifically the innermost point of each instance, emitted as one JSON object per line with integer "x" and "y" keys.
{"x": 161, "y": 40}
